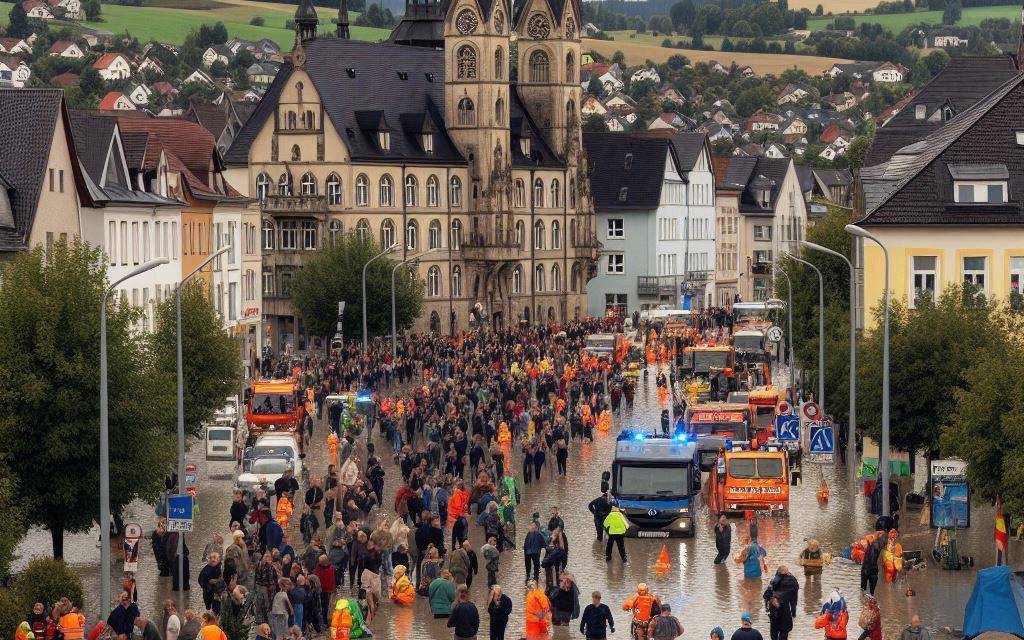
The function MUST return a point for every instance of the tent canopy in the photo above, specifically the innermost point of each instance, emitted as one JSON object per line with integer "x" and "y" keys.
{"x": 997, "y": 603}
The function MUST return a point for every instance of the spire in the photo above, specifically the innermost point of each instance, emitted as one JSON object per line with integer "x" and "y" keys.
{"x": 343, "y": 20}
{"x": 1020, "y": 43}
{"x": 306, "y": 21}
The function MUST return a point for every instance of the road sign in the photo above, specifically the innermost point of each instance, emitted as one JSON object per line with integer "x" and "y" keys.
{"x": 774, "y": 334}
{"x": 132, "y": 536}
{"x": 812, "y": 411}
{"x": 787, "y": 427}
{"x": 179, "y": 512}
{"x": 822, "y": 440}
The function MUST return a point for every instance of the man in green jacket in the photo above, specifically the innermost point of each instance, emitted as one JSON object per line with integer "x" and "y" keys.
{"x": 615, "y": 526}
{"x": 442, "y": 594}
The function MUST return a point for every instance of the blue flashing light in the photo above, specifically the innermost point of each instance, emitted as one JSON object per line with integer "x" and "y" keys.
{"x": 681, "y": 437}
{"x": 638, "y": 436}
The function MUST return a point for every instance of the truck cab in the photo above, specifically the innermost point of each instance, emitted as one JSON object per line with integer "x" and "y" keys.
{"x": 714, "y": 425}
{"x": 750, "y": 480}
{"x": 764, "y": 403}
{"x": 275, "y": 406}
{"x": 654, "y": 481}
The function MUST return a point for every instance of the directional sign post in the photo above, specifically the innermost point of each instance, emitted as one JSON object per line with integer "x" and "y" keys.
{"x": 787, "y": 428}
{"x": 823, "y": 445}
{"x": 179, "y": 513}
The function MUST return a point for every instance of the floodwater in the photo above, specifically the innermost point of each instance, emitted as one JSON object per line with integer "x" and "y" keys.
{"x": 702, "y": 594}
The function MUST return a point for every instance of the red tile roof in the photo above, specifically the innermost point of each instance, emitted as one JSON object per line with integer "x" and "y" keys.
{"x": 60, "y": 46}
{"x": 109, "y": 101}
{"x": 106, "y": 60}
{"x": 66, "y": 80}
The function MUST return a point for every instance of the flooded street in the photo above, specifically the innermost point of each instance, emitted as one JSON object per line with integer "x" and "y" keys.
{"x": 702, "y": 594}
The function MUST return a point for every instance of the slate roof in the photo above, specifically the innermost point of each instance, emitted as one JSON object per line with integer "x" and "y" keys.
{"x": 606, "y": 154}
{"x": 688, "y": 146}
{"x": 422, "y": 25}
{"x": 834, "y": 177}
{"x": 210, "y": 116}
{"x": 749, "y": 174}
{"x": 805, "y": 176}
{"x": 328, "y": 61}
{"x": 962, "y": 83}
{"x": 916, "y": 187}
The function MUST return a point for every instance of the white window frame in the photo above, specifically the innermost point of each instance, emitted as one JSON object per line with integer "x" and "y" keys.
{"x": 980, "y": 191}
{"x": 924, "y": 273}
{"x": 971, "y": 276}
{"x": 616, "y": 264}
{"x": 615, "y": 231}
{"x": 1017, "y": 269}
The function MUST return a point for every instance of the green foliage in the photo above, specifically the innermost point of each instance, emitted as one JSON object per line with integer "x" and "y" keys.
{"x": 750, "y": 100}
{"x": 92, "y": 9}
{"x": 210, "y": 357}
{"x": 683, "y": 14}
{"x": 618, "y": 57}
{"x": 334, "y": 274}
{"x": 376, "y": 17}
{"x": 17, "y": 22}
{"x": 258, "y": 21}
{"x": 12, "y": 612}
{"x": 660, "y": 24}
{"x": 594, "y": 122}
{"x": 594, "y": 87}
{"x": 952, "y": 13}
{"x": 47, "y": 580}
{"x": 858, "y": 151}
{"x": 12, "y": 525}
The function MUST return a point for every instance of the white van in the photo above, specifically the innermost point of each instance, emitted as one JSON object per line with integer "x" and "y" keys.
{"x": 220, "y": 442}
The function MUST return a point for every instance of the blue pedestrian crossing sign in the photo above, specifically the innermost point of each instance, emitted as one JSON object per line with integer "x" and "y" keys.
{"x": 822, "y": 440}
{"x": 787, "y": 427}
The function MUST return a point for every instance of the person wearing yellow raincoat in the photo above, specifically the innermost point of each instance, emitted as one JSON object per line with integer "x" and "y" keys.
{"x": 893, "y": 557}
{"x": 341, "y": 621}
{"x": 284, "y": 511}
{"x": 402, "y": 591}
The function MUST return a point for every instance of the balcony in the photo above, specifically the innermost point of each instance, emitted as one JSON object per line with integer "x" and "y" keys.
{"x": 295, "y": 205}
{"x": 648, "y": 286}
{"x": 480, "y": 248}
{"x": 761, "y": 268}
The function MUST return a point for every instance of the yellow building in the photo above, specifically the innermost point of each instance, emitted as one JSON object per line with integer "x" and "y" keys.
{"x": 426, "y": 142}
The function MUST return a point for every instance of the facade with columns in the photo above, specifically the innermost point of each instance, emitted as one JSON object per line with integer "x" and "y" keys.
{"x": 432, "y": 142}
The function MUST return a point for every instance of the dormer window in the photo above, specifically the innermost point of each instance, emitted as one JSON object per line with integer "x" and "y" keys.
{"x": 920, "y": 111}
{"x": 384, "y": 140}
{"x": 524, "y": 146}
{"x": 979, "y": 183}
{"x": 623, "y": 194}
{"x": 766, "y": 197}
{"x": 428, "y": 142}
{"x": 629, "y": 161}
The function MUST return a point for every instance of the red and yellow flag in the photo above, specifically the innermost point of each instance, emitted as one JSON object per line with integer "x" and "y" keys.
{"x": 1001, "y": 535}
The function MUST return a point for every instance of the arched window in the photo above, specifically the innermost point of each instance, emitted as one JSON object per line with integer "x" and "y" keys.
{"x": 538, "y": 278}
{"x": 363, "y": 228}
{"x": 334, "y": 229}
{"x": 455, "y": 195}
{"x": 499, "y": 64}
{"x": 499, "y": 112}
{"x": 570, "y": 67}
{"x": 386, "y": 197}
{"x": 465, "y": 60}
{"x": 435, "y": 322}
{"x": 456, "y": 281}
{"x": 412, "y": 189}
{"x": 434, "y": 234}
{"x": 362, "y": 190}
{"x": 387, "y": 233}
{"x": 570, "y": 114}
{"x": 269, "y": 235}
{"x": 517, "y": 280}
{"x": 538, "y": 235}
{"x": 308, "y": 184}
{"x": 572, "y": 193}
{"x": 292, "y": 120}
{"x": 556, "y": 235}
{"x": 455, "y": 239}
{"x": 262, "y": 187}
{"x": 521, "y": 235}
{"x": 433, "y": 282}
{"x": 575, "y": 276}
{"x": 412, "y": 235}
{"x": 467, "y": 113}
{"x": 334, "y": 192}
{"x": 572, "y": 230}
{"x": 298, "y": 90}
{"x": 556, "y": 193}
{"x": 296, "y": 153}
{"x": 284, "y": 184}
{"x": 519, "y": 197}
{"x": 556, "y": 278}
{"x": 538, "y": 193}
{"x": 311, "y": 119}
{"x": 433, "y": 192}
{"x": 540, "y": 66}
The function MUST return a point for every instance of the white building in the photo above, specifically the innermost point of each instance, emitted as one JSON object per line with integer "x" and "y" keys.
{"x": 66, "y": 49}
{"x": 889, "y": 72}
{"x": 113, "y": 66}
{"x": 227, "y": 269}
{"x": 13, "y": 70}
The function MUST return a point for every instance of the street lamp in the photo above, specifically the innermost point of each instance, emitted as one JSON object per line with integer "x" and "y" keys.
{"x": 789, "y": 328}
{"x": 105, "y": 436}
{"x": 883, "y": 456}
{"x": 181, "y": 407}
{"x": 821, "y": 330}
{"x": 851, "y": 444}
{"x": 379, "y": 255}
{"x": 394, "y": 321}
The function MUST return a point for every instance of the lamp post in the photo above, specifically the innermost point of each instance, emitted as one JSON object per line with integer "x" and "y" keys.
{"x": 181, "y": 408}
{"x": 379, "y": 255}
{"x": 105, "y": 436}
{"x": 851, "y": 443}
{"x": 789, "y": 329}
{"x": 883, "y": 455}
{"x": 394, "y": 318}
{"x": 821, "y": 331}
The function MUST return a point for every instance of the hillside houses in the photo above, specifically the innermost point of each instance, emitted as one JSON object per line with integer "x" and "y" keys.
{"x": 113, "y": 66}
{"x": 66, "y": 49}
{"x": 13, "y": 71}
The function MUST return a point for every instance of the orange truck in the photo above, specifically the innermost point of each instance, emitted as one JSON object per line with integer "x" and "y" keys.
{"x": 275, "y": 406}
{"x": 764, "y": 405}
{"x": 749, "y": 480}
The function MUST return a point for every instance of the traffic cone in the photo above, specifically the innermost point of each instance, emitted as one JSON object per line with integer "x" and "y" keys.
{"x": 662, "y": 565}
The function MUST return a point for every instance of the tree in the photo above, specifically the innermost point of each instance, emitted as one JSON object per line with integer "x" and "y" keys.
{"x": 683, "y": 14}
{"x": 92, "y": 9}
{"x": 858, "y": 151}
{"x": 48, "y": 580}
{"x": 618, "y": 57}
{"x": 257, "y": 21}
{"x": 660, "y": 24}
{"x": 17, "y": 22}
{"x": 952, "y": 12}
{"x": 49, "y": 385}
{"x": 750, "y": 100}
{"x": 335, "y": 274}
{"x": 594, "y": 87}
{"x": 594, "y": 122}
{"x": 819, "y": 10}
{"x": 12, "y": 525}
{"x": 210, "y": 357}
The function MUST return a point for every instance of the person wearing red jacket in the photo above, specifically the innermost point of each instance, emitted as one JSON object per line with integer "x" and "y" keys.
{"x": 325, "y": 572}
{"x": 834, "y": 624}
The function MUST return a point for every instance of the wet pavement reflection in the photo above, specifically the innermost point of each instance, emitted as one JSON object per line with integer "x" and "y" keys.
{"x": 702, "y": 594}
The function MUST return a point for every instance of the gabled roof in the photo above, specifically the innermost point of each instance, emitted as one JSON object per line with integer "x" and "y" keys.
{"x": 60, "y": 46}
{"x": 754, "y": 174}
{"x": 12, "y": 62}
{"x": 557, "y": 10}
{"x": 833, "y": 177}
{"x": 109, "y": 101}
{"x": 607, "y": 154}
{"x": 209, "y": 116}
{"x": 108, "y": 59}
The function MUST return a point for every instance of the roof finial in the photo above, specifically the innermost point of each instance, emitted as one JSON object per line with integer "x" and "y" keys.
{"x": 1020, "y": 43}
{"x": 306, "y": 21}
{"x": 343, "y": 20}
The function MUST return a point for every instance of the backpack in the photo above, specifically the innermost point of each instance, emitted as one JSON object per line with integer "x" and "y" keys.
{"x": 866, "y": 619}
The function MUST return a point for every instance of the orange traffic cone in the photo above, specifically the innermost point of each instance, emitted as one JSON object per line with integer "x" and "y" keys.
{"x": 662, "y": 565}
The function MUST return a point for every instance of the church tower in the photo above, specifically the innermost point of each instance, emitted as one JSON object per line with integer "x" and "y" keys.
{"x": 306, "y": 21}
{"x": 549, "y": 65}
{"x": 477, "y": 102}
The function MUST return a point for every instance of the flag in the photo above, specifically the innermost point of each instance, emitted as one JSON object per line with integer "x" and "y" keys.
{"x": 1001, "y": 536}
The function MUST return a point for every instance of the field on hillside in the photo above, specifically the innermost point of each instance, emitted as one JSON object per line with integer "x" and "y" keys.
{"x": 648, "y": 38}
{"x": 834, "y": 6}
{"x": 896, "y": 22}
{"x": 172, "y": 23}
{"x": 761, "y": 63}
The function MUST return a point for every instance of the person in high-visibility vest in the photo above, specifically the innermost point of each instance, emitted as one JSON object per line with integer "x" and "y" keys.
{"x": 210, "y": 630}
{"x": 284, "y": 511}
{"x": 72, "y": 625}
{"x": 615, "y": 526}
{"x": 341, "y": 621}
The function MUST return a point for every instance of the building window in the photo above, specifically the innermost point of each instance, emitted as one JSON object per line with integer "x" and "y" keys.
{"x": 434, "y": 234}
{"x": 387, "y": 234}
{"x": 762, "y": 232}
{"x": 135, "y": 243}
{"x": 521, "y": 235}
{"x": 334, "y": 192}
{"x": 262, "y": 187}
{"x": 433, "y": 282}
{"x": 974, "y": 273}
{"x": 570, "y": 67}
{"x": 334, "y": 229}
{"x": 308, "y": 185}
{"x": 456, "y": 281}
{"x": 616, "y": 263}
{"x": 384, "y": 140}
{"x": 289, "y": 234}
{"x": 296, "y": 153}
{"x": 519, "y": 197}
{"x": 517, "y": 280}
{"x": 309, "y": 235}
{"x": 539, "y": 66}
{"x": 499, "y": 64}
{"x": 923, "y": 277}
{"x": 572, "y": 193}
{"x": 980, "y": 192}
{"x": 268, "y": 284}
{"x": 363, "y": 228}
{"x": 574, "y": 276}
{"x": 433, "y": 192}
{"x": 455, "y": 197}
{"x": 412, "y": 235}
{"x": 499, "y": 112}
{"x": 623, "y": 194}
{"x": 362, "y": 190}
{"x": 112, "y": 242}
{"x": 538, "y": 235}
{"x": 556, "y": 278}
{"x": 616, "y": 229}
{"x": 556, "y": 235}
{"x": 412, "y": 188}
{"x": 538, "y": 193}
{"x": 762, "y": 257}
{"x": 538, "y": 278}
{"x": 386, "y": 197}
{"x": 467, "y": 114}
{"x": 761, "y": 289}
{"x": 556, "y": 193}
{"x": 284, "y": 184}
{"x": 466, "y": 63}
